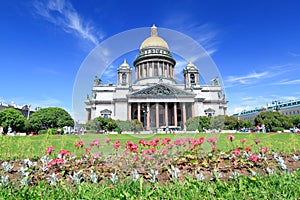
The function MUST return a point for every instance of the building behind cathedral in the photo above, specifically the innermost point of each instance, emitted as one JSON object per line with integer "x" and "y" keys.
{"x": 154, "y": 97}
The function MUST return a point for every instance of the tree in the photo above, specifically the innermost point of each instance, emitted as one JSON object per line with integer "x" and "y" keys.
{"x": 273, "y": 121}
{"x": 124, "y": 125}
{"x": 197, "y": 123}
{"x": 217, "y": 122}
{"x": 136, "y": 125}
{"x": 295, "y": 120}
{"x": 13, "y": 118}
{"x": 52, "y": 117}
{"x": 232, "y": 123}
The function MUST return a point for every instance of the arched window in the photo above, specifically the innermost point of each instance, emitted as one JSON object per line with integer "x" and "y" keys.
{"x": 124, "y": 77}
{"x": 155, "y": 69}
{"x": 192, "y": 78}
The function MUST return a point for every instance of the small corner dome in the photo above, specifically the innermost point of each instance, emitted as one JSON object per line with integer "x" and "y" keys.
{"x": 124, "y": 65}
{"x": 154, "y": 40}
{"x": 190, "y": 65}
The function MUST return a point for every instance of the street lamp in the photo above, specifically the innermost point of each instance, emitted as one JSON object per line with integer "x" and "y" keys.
{"x": 276, "y": 103}
{"x": 145, "y": 116}
{"x": 28, "y": 111}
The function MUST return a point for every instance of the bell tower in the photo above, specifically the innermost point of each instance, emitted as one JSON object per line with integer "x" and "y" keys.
{"x": 191, "y": 75}
{"x": 124, "y": 74}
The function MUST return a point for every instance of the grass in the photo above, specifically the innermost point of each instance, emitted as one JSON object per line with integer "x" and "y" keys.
{"x": 278, "y": 186}
{"x": 35, "y": 146}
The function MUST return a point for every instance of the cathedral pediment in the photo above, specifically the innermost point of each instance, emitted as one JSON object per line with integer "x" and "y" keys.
{"x": 161, "y": 90}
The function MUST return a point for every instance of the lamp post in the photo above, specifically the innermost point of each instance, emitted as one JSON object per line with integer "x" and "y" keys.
{"x": 28, "y": 111}
{"x": 276, "y": 103}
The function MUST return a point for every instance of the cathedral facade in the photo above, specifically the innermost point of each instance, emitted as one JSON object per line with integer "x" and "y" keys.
{"x": 154, "y": 98}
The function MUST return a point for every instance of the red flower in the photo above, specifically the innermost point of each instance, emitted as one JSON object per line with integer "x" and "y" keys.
{"x": 79, "y": 144}
{"x": 263, "y": 149}
{"x": 152, "y": 150}
{"x": 248, "y": 149}
{"x": 236, "y": 152}
{"x": 65, "y": 153}
{"x": 230, "y": 137}
{"x": 243, "y": 140}
{"x": 131, "y": 146}
{"x": 257, "y": 141}
{"x": 117, "y": 141}
{"x": 49, "y": 150}
{"x": 253, "y": 158}
{"x": 107, "y": 140}
{"x": 212, "y": 140}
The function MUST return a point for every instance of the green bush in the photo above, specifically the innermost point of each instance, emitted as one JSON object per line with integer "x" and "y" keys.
{"x": 41, "y": 132}
{"x": 275, "y": 129}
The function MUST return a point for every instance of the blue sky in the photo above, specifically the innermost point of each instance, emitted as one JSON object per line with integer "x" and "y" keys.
{"x": 255, "y": 44}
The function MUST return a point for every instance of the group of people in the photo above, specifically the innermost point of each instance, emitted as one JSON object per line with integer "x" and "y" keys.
{"x": 9, "y": 131}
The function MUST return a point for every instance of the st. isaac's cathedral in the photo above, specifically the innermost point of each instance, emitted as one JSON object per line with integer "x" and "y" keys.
{"x": 154, "y": 98}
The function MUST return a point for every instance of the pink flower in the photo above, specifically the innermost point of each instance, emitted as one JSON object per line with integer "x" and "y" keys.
{"x": 165, "y": 141}
{"x": 117, "y": 145}
{"x": 49, "y": 150}
{"x": 257, "y": 141}
{"x": 230, "y": 137}
{"x": 135, "y": 157}
{"x": 117, "y": 141}
{"x": 236, "y": 152}
{"x": 96, "y": 155}
{"x": 179, "y": 141}
{"x": 243, "y": 140}
{"x": 55, "y": 161}
{"x": 144, "y": 151}
{"x": 198, "y": 141}
{"x": 263, "y": 149}
{"x": 253, "y": 157}
{"x": 212, "y": 140}
{"x": 107, "y": 140}
{"x": 79, "y": 144}
{"x": 214, "y": 148}
{"x": 163, "y": 151}
{"x": 95, "y": 143}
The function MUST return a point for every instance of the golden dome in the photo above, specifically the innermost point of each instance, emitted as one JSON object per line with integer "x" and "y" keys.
{"x": 124, "y": 64}
{"x": 154, "y": 40}
{"x": 190, "y": 64}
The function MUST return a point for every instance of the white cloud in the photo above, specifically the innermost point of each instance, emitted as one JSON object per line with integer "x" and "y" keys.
{"x": 204, "y": 33}
{"x": 288, "y": 82}
{"x": 62, "y": 14}
{"x": 247, "y": 78}
{"x": 294, "y": 54}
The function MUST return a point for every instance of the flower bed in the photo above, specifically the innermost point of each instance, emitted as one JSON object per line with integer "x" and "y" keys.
{"x": 158, "y": 160}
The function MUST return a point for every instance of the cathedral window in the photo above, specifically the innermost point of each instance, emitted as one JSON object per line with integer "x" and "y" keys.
{"x": 192, "y": 78}
{"x": 124, "y": 77}
{"x": 155, "y": 69}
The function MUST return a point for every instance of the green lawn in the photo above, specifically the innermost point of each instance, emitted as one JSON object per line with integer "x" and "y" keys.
{"x": 32, "y": 146}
